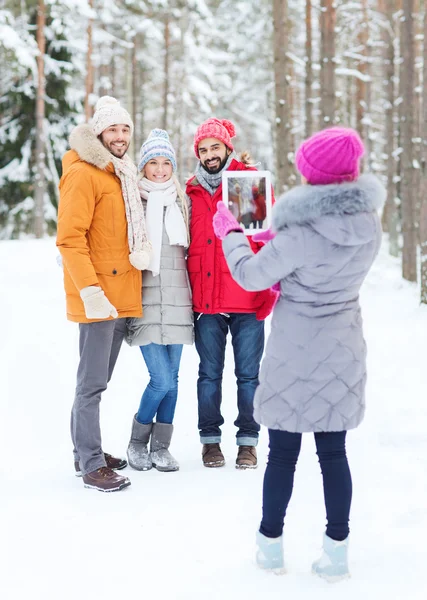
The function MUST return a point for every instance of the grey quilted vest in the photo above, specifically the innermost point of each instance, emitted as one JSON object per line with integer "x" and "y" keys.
{"x": 166, "y": 301}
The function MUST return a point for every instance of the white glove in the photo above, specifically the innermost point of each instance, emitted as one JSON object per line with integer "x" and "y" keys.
{"x": 140, "y": 259}
{"x": 97, "y": 306}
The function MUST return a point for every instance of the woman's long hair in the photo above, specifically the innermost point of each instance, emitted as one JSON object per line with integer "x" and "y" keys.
{"x": 246, "y": 158}
{"x": 184, "y": 205}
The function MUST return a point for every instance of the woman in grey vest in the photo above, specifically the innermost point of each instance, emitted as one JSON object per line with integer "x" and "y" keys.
{"x": 313, "y": 375}
{"x": 167, "y": 321}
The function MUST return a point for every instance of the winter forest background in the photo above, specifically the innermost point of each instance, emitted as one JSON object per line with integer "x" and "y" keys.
{"x": 278, "y": 69}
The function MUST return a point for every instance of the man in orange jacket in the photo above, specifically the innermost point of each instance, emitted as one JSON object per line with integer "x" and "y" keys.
{"x": 103, "y": 243}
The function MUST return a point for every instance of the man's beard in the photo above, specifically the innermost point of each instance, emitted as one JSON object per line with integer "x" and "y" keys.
{"x": 216, "y": 169}
{"x": 113, "y": 151}
{"x": 116, "y": 152}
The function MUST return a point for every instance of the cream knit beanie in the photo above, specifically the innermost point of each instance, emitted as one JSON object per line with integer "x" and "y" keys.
{"x": 109, "y": 112}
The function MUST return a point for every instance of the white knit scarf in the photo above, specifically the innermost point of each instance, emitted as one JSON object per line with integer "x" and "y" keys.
{"x": 139, "y": 245}
{"x": 159, "y": 196}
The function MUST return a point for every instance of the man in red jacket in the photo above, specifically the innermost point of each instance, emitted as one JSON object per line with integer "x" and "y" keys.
{"x": 220, "y": 304}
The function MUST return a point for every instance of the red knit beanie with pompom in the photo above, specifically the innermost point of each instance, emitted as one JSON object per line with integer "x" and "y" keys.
{"x": 221, "y": 130}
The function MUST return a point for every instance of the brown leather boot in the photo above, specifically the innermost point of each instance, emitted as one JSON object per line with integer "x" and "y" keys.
{"x": 105, "y": 480}
{"x": 212, "y": 455}
{"x": 246, "y": 458}
{"x": 112, "y": 463}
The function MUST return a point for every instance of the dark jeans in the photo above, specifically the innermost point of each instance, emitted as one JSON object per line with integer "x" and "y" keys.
{"x": 160, "y": 395}
{"x": 279, "y": 479}
{"x": 247, "y": 338}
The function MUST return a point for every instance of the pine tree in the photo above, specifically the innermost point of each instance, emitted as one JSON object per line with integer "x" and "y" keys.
{"x": 18, "y": 128}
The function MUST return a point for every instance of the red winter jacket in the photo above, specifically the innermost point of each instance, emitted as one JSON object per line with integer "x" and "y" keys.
{"x": 214, "y": 289}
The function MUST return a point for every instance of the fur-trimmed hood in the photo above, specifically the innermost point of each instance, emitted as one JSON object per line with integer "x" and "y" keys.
{"x": 88, "y": 147}
{"x": 307, "y": 203}
{"x": 325, "y": 208}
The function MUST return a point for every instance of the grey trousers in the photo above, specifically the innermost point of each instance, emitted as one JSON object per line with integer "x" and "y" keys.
{"x": 100, "y": 345}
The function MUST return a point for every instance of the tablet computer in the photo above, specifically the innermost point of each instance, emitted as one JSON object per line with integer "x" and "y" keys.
{"x": 247, "y": 194}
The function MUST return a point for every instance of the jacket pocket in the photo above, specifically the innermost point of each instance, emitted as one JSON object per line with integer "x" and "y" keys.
{"x": 121, "y": 283}
{"x": 111, "y": 267}
{"x": 232, "y": 295}
{"x": 194, "y": 273}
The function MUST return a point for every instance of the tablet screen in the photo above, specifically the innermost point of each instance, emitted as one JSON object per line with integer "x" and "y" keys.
{"x": 247, "y": 194}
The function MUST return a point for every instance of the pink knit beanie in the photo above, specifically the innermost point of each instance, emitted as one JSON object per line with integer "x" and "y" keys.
{"x": 221, "y": 130}
{"x": 330, "y": 156}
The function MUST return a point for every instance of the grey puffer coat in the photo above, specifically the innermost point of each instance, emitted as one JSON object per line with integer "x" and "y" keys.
{"x": 166, "y": 301}
{"x": 313, "y": 373}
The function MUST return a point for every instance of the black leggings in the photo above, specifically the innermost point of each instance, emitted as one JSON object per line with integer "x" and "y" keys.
{"x": 279, "y": 480}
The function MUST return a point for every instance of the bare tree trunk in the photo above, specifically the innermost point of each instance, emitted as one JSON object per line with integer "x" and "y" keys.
{"x": 142, "y": 79}
{"x": 294, "y": 103}
{"x": 280, "y": 42}
{"x": 423, "y": 215}
{"x": 137, "y": 131}
{"x": 349, "y": 104}
{"x": 40, "y": 178}
{"x": 362, "y": 68}
{"x": 417, "y": 109}
{"x": 391, "y": 212}
{"x": 166, "y": 73}
{"x": 89, "y": 69}
{"x": 181, "y": 146}
{"x": 364, "y": 101}
{"x": 129, "y": 75}
{"x": 104, "y": 82}
{"x": 308, "y": 70}
{"x": 327, "y": 61}
{"x": 113, "y": 72}
{"x": 409, "y": 251}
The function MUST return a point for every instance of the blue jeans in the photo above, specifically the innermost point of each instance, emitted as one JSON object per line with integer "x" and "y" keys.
{"x": 279, "y": 480}
{"x": 160, "y": 395}
{"x": 247, "y": 337}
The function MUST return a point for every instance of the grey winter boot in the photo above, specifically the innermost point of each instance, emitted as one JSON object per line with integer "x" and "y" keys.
{"x": 161, "y": 458}
{"x": 138, "y": 455}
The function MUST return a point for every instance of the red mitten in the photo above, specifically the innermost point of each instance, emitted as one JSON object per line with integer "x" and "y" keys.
{"x": 269, "y": 299}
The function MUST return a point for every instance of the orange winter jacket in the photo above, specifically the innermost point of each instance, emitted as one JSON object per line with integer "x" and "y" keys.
{"x": 92, "y": 229}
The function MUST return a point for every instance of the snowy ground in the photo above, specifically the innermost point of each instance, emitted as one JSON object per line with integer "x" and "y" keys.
{"x": 190, "y": 535}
